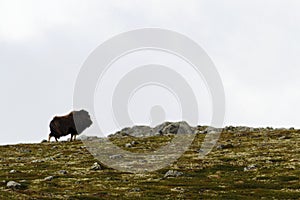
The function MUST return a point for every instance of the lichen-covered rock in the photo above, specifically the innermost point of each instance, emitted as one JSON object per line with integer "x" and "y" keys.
{"x": 250, "y": 167}
{"x": 49, "y": 178}
{"x": 172, "y": 173}
{"x": 128, "y": 145}
{"x": 62, "y": 172}
{"x": 96, "y": 166}
{"x": 13, "y": 185}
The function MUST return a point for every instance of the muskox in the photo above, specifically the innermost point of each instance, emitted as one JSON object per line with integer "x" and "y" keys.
{"x": 73, "y": 123}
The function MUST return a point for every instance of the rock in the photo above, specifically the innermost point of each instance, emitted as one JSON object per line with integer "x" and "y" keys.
{"x": 281, "y": 129}
{"x": 135, "y": 190}
{"x": 134, "y": 143}
{"x": 12, "y": 171}
{"x": 214, "y": 176}
{"x": 172, "y": 173}
{"x": 200, "y": 151}
{"x": 13, "y": 185}
{"x": 44, "y": 141}
{"x": 283, "y": 137}
{"x": 119, "y": 134}
{"x": 178, "y": 189}
{"x": 162, "y": 129}
{"x": 49, "y": 159}
{"x": 49, "y": 178}
{"x": 225, "y": 146}
{"x": 199, "y": 132}
{"x": 239, "y": 182}
{"x": 96, "y": 166}
{"x": 117, "y": 156}
{"x": 82, "y": 137}
{"x": 62, "y": 172}
{"x": 211, "y": 130}
{"x": 54, "y": 147}
{"x": 128, "y": 145}
{"x": 177, "y": 128}
{"x": 59, "y": 155}
{"x": 37, "y": 161}
{"x": 136, "y": 131}
{"x": 250, "y": 167}
{"x": 87, "y": 138}
{"x": 26, "y": 151}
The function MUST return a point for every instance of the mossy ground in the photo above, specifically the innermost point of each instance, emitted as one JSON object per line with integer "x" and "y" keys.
{"x": 220, "y": 175}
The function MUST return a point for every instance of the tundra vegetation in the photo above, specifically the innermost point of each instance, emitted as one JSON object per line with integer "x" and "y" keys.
{"x": 247, "y": 163}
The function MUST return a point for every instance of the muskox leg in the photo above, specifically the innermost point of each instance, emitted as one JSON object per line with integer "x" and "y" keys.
{"x": 56, "y": 140}
{"x": 71, "y": 138}
{"x": 49, "y": 138}
{"x": 74, "y": 137}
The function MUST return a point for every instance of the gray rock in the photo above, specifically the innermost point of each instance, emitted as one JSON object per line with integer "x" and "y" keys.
{"x": 250, "y": 167}
{"x": 177, "y": 128}
{"x": 82, "y": 137}
{"x": 117, "y": 156}
{"x": 200, "y": 151}
{"x": 282, "y": 137}
{"x": 37, "y": 161}
{"x": 13, "y": 185}
{"x": 62, "y": 172}
{"x": 12, "y": 171}
{"x": 139, "y": 131}
{"x": 162, "y": 129}
{"x": 172, "y": 173}
{"x": 44, "y": 141}
{"x": 202, "y": 132}
{"x": 96, "y": 166}
{"x": 281, "y": 129}
{"x": 87, "y": 138}
{"x": 49, "y": 159}
{"x": 59, "y": 155}
{"x": 178, "y": 189}
{"x": 26, "y": 151}
{"x": 224, "y": 146}
{"x": 135, "y": 190}
{"x": 49, "y": 178}
{"x": 128, "y": 145}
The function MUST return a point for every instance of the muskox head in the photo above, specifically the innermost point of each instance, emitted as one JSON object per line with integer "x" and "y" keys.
{"x": 82, "y": 120}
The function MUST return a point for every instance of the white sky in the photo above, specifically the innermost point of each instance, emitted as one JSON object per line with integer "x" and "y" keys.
{"x": 255, "y": 46}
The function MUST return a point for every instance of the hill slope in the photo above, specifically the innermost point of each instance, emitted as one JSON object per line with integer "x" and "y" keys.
{"x": 246, "y": 163}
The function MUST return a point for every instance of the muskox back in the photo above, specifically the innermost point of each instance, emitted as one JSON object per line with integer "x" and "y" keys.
{"x": 74, "y": 123}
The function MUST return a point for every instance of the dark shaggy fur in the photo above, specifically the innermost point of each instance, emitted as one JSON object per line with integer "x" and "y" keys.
{"x": 74, "y": 123}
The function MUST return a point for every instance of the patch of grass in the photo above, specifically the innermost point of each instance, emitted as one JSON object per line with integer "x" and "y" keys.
{"x": 287, "y": 178}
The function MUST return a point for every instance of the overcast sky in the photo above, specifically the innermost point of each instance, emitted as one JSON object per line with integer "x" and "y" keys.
{"x": 254, "y": 44}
